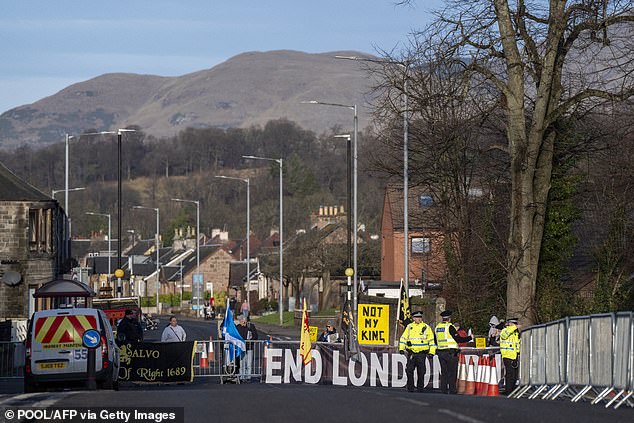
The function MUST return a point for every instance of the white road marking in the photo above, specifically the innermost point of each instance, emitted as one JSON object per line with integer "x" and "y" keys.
{"x": 413, "y": 401}
{"x": 459, "y": 416}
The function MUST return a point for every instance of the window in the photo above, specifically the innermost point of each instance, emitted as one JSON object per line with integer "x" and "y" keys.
{"x": 425, "y": 200}
{"x": 41, "y": 230}
{"x": 421, "y": 245}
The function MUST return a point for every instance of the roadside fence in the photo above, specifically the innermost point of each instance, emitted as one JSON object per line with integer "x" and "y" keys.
{"x": 588, "y": 358}
{"x": 11, "y": 359}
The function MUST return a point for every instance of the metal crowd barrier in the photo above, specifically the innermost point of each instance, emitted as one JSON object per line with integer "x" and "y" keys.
{"x": 11, "y": 359}
{"x": 218, "y": 359}
{"x": 579, "y": 358}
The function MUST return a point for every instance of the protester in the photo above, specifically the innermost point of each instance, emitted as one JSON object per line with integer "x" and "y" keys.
{"x": 173, "y": 332}
{"x": 245, "y": 309}
{"x": 462, "y": 333}
{"x": 249, "y": 333}
{"x": 493, "y": 338}
{"x": 417, "y": 343}
{"x": 129, "y": 328}
{"x": 447, "y": 340}
{"x": 510, "y": 351}
{"x": 330, "y": 334}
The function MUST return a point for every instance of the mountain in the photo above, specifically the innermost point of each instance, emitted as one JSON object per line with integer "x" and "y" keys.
{"x": 248, "y": 89}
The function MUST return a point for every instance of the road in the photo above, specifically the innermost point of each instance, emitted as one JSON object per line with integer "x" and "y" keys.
{"x": 199, "y": 329}
{"x": 204, "y": 401}
{"x": 207, "y": 400}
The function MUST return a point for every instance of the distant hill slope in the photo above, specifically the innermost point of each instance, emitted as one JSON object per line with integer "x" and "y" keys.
{"x": 251, "y": 88}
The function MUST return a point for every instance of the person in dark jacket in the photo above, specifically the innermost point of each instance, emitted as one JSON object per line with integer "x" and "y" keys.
{"x": 248, "y": 332}
{"x": 330, "y": 334}
{"x": 129, "y": 328}
{"x": 447, "y": 340}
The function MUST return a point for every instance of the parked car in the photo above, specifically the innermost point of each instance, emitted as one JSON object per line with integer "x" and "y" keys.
{"x": 55, "y": 353}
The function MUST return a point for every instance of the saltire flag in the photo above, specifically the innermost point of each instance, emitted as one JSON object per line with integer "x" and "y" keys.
{"x": 404, "y": 311}
{"x": 304, "y": 342}
{"x": 231, "y": 335}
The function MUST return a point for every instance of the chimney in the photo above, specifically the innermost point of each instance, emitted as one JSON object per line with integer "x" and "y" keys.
{"x": 330, "y": 212}
{"x": 341, "y": 210}
{"x": 321, "y": 210}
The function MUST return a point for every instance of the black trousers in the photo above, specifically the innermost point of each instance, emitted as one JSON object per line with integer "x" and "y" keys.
{"x": 448, "y": 371}
{"x": 511, "y": 371}
{"x": 416, "y": 361}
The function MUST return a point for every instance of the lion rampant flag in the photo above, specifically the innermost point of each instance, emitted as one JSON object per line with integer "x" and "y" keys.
{"x": 304, "y": 343}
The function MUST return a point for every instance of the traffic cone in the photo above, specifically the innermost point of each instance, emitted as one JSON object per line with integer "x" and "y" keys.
{"x": 486, "y": 372}
{"x": 462, "y": 374}
{"x": 494, "y": 387}
{"x": 203, "y": 356}
{"x": 212, "y": 355}
{"x": 470, "y": 384}
{"x": 479, "y": 376}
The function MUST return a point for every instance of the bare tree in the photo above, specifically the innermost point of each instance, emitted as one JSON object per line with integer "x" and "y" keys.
{"x": 537, "y": 61}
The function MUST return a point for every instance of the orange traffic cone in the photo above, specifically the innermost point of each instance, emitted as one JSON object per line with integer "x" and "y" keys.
{"x": 479, "y": 376}
{"x": 203, "y": 356}
{"x": 470, "y": 384}
{"x": 486, "y": 372}
{"x": 494, "y": 388}
{"x": 462, "y": 374}
{"x": 212, "y": 356}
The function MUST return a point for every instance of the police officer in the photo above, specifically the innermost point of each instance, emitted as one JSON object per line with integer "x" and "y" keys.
{"x": 417, "y": 342}
{"x": 447, "y": 340}
{"x": 510, "y": 351}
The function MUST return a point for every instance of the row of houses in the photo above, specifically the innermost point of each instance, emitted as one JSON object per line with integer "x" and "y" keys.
{"x": 33, "y": 252}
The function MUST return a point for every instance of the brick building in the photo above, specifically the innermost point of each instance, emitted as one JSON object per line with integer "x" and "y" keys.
{"x": 31, "y": 244}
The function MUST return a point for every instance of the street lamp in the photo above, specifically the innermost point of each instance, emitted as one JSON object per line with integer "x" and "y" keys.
{"x": 405, "y": 67}
{"x": 348, "y": 195}
{"x": 354, "y": 170}
{"x": 158, "y": 283}
{"x": 280, "y": 162}
{"x": 180, "y": 200}
{"x": 109, "y": 238}
{"x": 57, "y": 191}
{"x": 245, "y": 180}
{"x": 66, "y": 190}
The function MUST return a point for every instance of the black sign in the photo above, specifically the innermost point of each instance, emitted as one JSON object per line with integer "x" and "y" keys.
{"x": 157, "y": 362}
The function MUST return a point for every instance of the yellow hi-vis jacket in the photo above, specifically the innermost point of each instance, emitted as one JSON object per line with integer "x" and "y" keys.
{"x": 444, "y": 338}
{"x": 421, "y": 337}
{"x": 510, "y": 342}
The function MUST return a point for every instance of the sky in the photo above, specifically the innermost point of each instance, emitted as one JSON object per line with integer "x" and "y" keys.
{"x": 46, "y": 45}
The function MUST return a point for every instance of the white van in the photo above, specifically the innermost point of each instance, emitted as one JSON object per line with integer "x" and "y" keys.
{"x": 54, "y": 350}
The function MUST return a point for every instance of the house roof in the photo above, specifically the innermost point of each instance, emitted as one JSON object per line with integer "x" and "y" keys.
{"x": 238, "y": 271}
{"x": 422, "y": 214}
{"x": 12, "y": 188}
{"x": 141, "y": 247}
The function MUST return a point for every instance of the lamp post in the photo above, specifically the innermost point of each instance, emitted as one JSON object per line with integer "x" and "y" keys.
{"x": 158, "y": 283}
{"x": 354, "y": 171}
{"x": 109, "y": 238}
{"x": 180, "y": 200}
{"x": 280, "y": 162}
{"x": 67, "y": 190}
{"x": 245, "y": 180}
{"x": 405, "y": 67}
{"x": 348, "y": 195}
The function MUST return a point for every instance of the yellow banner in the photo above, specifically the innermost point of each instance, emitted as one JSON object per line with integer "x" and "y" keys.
{"x": 374, "y": 324}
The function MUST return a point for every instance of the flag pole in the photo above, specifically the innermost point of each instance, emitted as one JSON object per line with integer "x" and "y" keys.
{"x": 398, "y": 313}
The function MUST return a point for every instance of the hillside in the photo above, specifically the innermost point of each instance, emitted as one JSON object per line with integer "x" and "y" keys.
{"x": 248, "y": 89}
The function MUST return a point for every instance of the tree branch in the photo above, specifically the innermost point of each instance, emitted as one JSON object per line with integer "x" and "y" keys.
{"x": 586, "y": 94}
